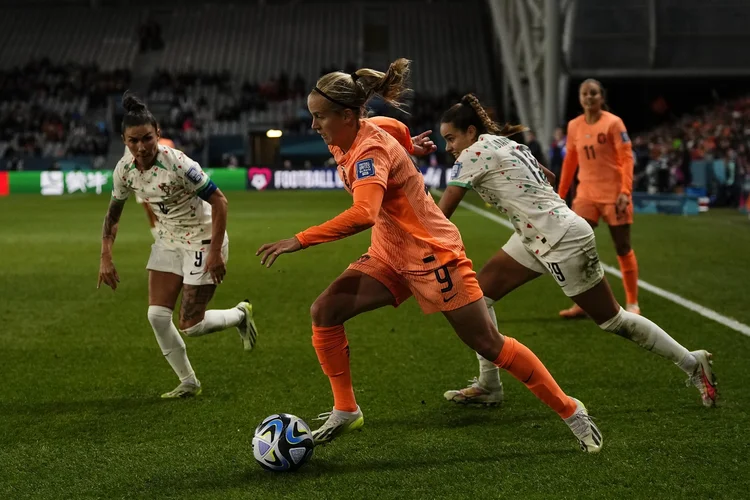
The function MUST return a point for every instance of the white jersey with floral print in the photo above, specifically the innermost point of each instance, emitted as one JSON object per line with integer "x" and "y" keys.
{"x": 172, "y": 187}
{"x": 507, "y": 176}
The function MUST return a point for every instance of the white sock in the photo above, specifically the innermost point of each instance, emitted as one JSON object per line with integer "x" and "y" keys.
{"x": 172, "y": 345}
{"x": 216, "y": 320}
{"x": 489, "y": 374}
{"x": 648, "y": 335}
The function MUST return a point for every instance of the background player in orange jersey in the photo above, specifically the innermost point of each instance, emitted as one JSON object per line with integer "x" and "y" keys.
{"x": 599, "y": 147}
{"x": 414, "y": 250}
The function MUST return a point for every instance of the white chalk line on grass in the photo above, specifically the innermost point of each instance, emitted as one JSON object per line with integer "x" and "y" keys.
{"x": 672, "y": 297}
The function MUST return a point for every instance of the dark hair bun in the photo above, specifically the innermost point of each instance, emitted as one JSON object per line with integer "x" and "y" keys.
{"x": 132, "y": 104}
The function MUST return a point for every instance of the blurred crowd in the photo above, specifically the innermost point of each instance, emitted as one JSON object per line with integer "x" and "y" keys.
{"x": 717, "y": 136}
{"x": 55, "y": 110}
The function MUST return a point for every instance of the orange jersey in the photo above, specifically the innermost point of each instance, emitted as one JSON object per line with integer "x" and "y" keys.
{"x": 410, "y": 231}
{"x": 603, "y": 154}
{"x": 397, "y": 129}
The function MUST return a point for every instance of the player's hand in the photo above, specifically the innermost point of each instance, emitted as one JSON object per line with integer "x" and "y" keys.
{"x": 621, "y": 205}
{"x": 107, "y": 273}
{"x": 215, "y": 266}
{"x": 270, "y": 251}
{"x": 423, "y": 145}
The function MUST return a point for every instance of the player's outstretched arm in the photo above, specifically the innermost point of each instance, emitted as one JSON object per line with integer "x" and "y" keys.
{"x": 215, "y": 264}
{"x": 451, "y": 198}
{"x": 360, "y": 216}
{"x": 107, "y": 272}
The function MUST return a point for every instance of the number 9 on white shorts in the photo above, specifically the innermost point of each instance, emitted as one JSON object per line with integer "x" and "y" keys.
{"x": 190, "y": 264}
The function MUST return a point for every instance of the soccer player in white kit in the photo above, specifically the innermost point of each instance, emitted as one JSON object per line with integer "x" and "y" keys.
{"x": 191, "y": 246}
{"x": 549, "y": 238}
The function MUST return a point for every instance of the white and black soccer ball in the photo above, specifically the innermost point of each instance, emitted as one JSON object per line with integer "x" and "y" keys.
{"x": 282, "y": 442}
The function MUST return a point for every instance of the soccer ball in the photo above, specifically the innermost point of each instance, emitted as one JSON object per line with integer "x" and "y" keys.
{"x": 282, "y": 442}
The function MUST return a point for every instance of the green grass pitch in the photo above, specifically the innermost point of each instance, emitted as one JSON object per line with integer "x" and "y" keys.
{"x": 82, "y": 373}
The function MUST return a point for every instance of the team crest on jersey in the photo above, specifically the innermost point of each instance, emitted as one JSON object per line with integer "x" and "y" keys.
{"x": 601, "y": 138}
{"x": 365, "y": 168}
{"x": 624, "y": 136}
{"x": 456, "y": 170}
{"x": 166, "y": 189}
{"x": 193, "y": 175}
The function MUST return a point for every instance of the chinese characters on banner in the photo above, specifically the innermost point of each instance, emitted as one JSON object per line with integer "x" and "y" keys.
{"x": 54, "y": 183}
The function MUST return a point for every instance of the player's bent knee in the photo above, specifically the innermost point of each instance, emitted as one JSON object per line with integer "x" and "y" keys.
{"x": 325, "y": 313}
{"x": 158, "y": 316}
{"x": 193, "y": 327}
{"x": 487, "y": 344}
{"x": 615, "y": 323}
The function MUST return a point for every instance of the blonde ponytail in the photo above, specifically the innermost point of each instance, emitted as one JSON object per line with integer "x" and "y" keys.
{"x": 353, "y": 91}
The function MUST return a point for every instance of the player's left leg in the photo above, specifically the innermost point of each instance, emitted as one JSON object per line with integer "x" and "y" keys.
{"x": 601, "y": 305}
{"x": 508, "y": 269}
{"x": 474, "y": 326}
{"x": 619, "y": 229}
{"x": 196, "y": 321}
{"x": 198, "y": 290}
{"x": 574, "y": 263}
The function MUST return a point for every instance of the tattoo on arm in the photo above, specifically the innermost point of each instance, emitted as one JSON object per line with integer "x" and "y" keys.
{"x": 112, "y": 219}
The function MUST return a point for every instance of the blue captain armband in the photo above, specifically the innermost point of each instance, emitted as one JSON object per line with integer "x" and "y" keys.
{"x": 207, "y": 190}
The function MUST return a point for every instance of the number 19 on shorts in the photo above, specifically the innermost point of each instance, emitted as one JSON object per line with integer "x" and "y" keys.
{"x": 554, "y": 269}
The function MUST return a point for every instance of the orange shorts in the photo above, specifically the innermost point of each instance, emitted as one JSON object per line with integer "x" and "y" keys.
{"x": 447, "y": 288}
{"x": 593, "y": 211}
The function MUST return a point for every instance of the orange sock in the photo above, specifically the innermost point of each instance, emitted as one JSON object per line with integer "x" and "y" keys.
{"x": 526, "y": 367}
{"x": 629, "y": 268}
{"x": 332, "y": 349}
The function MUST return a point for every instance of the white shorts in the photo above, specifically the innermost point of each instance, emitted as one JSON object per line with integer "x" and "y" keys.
{"x": 573, "y": 261}
{"x": 190, "y": 264}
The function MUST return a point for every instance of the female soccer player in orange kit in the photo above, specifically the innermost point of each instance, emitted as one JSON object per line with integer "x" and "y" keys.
{"x": 598, "y": 145}
{"x": 414, "y": 250}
